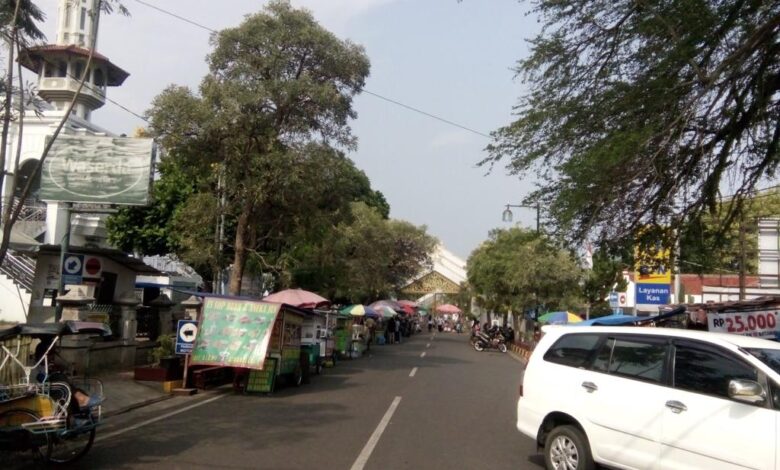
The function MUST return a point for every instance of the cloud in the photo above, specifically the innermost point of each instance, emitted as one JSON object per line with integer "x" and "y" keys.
{"x": 336, "y": 14}
{"x": 451, "y": 139}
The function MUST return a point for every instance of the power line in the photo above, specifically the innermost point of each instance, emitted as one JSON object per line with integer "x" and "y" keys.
{"x": 377, "y": 95}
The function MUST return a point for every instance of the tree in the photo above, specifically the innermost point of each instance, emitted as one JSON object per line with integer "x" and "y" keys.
{"x": 277, "y": 82}
{"x": 519, "y": 270}
{"x": 364, "y": 257}
{"x": 605, "y": 277}
{"x": 638, "y": 112}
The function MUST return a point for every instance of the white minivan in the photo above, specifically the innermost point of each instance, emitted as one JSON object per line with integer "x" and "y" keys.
{"x": 652, "y": 398}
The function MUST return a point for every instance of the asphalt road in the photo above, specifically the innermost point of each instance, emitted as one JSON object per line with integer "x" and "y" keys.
{"x": 432, "y": 402}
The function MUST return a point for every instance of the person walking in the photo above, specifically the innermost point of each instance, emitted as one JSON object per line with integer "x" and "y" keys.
{"x": 390, "y": 333}
{"x": 430, "y": 323}
{"x": 398, "y": 331}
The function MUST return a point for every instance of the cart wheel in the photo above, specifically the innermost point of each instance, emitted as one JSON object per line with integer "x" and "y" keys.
{"x": 70, "y": 445}
{"x": 297, "y": 376}
{"x": 318, "y": 367}
{"x": 12, "y": 451}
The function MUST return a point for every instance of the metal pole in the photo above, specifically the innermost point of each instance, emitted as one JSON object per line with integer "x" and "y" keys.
{"x": 64, "y": 246}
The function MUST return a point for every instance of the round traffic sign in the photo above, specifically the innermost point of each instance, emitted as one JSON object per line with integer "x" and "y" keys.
{"x": 188, "y": 332}
{"x": 622, "y": 299}
{"x": 72, "y": 265}
{"x": 92, "y": 266}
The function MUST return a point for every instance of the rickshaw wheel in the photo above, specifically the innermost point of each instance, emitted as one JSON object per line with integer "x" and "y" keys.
{"x": 71, "y": 445}
{"x": 12, "y": 449}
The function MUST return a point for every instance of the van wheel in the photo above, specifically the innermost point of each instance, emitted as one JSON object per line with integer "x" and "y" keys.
{"x": 566, "y": 448}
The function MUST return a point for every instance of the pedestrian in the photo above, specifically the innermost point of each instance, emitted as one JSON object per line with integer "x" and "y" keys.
{"x": 390, "y": 333}
{"x": 430, "y": 323}
{"x": 398, "y": 331}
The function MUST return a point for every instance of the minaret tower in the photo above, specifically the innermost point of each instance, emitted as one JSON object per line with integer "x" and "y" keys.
{"x": 60, "y": 66}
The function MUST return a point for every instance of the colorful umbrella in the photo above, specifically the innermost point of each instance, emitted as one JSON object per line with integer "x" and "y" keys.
{"x": 559, "y": 318}
{"x": 385, "y": 311}
{"x": 408, "y": 303}
{"x": 447, "y": 308}
{"x": 359, "y": 310}
{"x": 422, "y": 312}
{"x": 388, "y": 303}
{"x": 298, "y": 298}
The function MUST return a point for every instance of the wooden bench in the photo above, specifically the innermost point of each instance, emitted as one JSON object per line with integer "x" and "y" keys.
{"x": 212, "y": 377}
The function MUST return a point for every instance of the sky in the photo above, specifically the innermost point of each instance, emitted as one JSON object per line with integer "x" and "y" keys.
{"x": 447, "y": 58}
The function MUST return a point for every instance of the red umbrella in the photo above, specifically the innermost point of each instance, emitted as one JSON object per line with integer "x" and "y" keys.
{"x": 298, "y": 298}
{"x": 389, "y": 303}
{"x": 447, "y": 308}
{"x": 407, "y": 303}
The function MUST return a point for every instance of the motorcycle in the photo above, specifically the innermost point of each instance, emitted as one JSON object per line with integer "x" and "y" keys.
{"x": 484, "y": 341}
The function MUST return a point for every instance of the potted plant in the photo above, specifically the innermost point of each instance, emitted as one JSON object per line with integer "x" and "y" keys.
{"x": 166, "y": 365}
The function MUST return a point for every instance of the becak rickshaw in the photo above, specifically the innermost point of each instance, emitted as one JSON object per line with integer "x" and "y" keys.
{"x": 50, "y": 413}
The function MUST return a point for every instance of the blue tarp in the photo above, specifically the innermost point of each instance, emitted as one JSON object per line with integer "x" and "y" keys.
{"x": 612, "y": 320}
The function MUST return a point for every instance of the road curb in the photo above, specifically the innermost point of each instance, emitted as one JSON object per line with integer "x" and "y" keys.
{"x": 520, "y": 353}
{"x": 135, "y": 406}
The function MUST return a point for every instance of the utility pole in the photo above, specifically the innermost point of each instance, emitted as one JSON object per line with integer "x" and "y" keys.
{"x": 742, "y": 257}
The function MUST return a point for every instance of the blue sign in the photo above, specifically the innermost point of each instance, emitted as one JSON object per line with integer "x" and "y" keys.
{"x": 186, "y": 332}
{"x": 72, "y": 268}
{"x": 653, "y": 294}
{"x": 613, "y": 299}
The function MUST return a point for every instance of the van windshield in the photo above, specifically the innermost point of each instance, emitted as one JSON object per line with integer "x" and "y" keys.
{"x": 770, "y": 357}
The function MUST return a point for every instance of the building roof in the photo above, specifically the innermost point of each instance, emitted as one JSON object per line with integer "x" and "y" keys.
{"x": 117, "y": 256}
{"x": 33, "y": 58}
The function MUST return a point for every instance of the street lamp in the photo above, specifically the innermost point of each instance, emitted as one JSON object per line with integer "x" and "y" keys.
{"x": 507, "y": 215}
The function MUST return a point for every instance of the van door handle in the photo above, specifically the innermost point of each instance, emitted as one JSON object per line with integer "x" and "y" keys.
{"x": 676, "y": 406}
{"x": 589, "y": 386}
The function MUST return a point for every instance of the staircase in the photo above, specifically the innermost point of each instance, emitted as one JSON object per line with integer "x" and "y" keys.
{"x": 20, "y": 268}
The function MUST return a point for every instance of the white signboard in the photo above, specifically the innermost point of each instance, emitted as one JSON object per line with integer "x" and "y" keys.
{"x": 761, "y": 323}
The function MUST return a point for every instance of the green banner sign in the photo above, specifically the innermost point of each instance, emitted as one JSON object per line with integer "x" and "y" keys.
{"x": 234, "y": 333}
{"x": 91, "y": 169}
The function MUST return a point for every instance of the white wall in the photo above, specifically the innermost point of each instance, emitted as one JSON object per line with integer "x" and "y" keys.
{"x": 14, "y": 301}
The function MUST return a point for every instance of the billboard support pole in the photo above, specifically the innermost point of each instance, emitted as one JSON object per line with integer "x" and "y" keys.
{"x": 64, "y": 246}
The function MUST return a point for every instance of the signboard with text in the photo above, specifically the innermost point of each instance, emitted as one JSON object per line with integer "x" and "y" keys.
{"x": 92, "y": 169}
{"x": 760, "y": 323}
{"x": 653, "y": 294}
{"x": 186, "y": 332}
{"x": 72, "y": 268}
{"x": 234, "y": 333}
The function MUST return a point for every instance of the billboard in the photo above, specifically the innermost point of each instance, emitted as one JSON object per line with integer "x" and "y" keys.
{"x": 234, "y": 333}
{"x": 102, "y": 170}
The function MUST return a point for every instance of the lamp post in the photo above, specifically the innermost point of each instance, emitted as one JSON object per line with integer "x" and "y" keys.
{"x": 507, "y": 215}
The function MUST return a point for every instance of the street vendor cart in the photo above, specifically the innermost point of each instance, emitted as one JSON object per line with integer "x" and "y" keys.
{"x": 317, "y": 339}
{"x": 261, "y": 340}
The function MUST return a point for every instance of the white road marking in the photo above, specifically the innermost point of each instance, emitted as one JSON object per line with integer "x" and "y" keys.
{"x": 414, "y": 371}
{"x": 101, "y": 437}
{"x": 423, "y": 354}
{"x": 428, "y": 345}
{"x": 365, "y": 454}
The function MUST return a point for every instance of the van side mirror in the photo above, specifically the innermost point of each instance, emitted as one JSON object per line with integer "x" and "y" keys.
{"x": 747, "y": 391}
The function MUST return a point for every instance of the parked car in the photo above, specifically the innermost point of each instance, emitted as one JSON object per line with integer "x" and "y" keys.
{"x": 660, "y": 398}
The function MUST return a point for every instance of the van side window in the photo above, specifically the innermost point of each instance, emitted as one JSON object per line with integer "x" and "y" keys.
{"x": 572, "y": 350}
{"x": 638, "y": 359}
{"x": 702, "y": 370}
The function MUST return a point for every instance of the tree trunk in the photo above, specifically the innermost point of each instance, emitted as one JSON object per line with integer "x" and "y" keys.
{"x": 239, "y": 258}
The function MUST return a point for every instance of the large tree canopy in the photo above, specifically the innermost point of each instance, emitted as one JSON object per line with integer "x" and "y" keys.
{"x": 278, "y": 94}
{"x": 639, "y": 112}
{"x": 518, "y": 269}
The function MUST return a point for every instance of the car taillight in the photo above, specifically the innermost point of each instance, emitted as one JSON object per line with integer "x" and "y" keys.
{"x": 520, "y": 390}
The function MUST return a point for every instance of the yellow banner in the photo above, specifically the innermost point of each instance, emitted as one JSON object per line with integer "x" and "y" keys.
{"x": 652, "y": 265}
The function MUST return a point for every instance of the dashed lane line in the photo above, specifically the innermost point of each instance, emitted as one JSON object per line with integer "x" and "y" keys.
{"x": 365, "y": 454}
{"x": 414, "y": 371}
{"x": 423, "y": 354}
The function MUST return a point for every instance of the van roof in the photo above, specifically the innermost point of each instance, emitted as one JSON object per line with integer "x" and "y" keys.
{"x": 720, "y": 338}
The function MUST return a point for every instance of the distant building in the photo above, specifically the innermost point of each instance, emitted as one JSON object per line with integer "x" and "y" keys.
{"x": 445, "y": 276}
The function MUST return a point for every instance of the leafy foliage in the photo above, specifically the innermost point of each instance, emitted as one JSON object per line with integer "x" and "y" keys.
{"x": 639, "y": 112}
{"x": 263, "y": 128}
{"x": 519, "y": 269}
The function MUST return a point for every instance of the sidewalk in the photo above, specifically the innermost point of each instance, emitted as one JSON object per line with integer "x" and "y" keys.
{"x": 123, "y": 394}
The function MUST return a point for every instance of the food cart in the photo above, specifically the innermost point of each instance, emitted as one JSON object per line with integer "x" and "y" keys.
{"x": 261, "y": 340}
{"x": 317, "y": 339}
{"x": 342, "y": 335}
